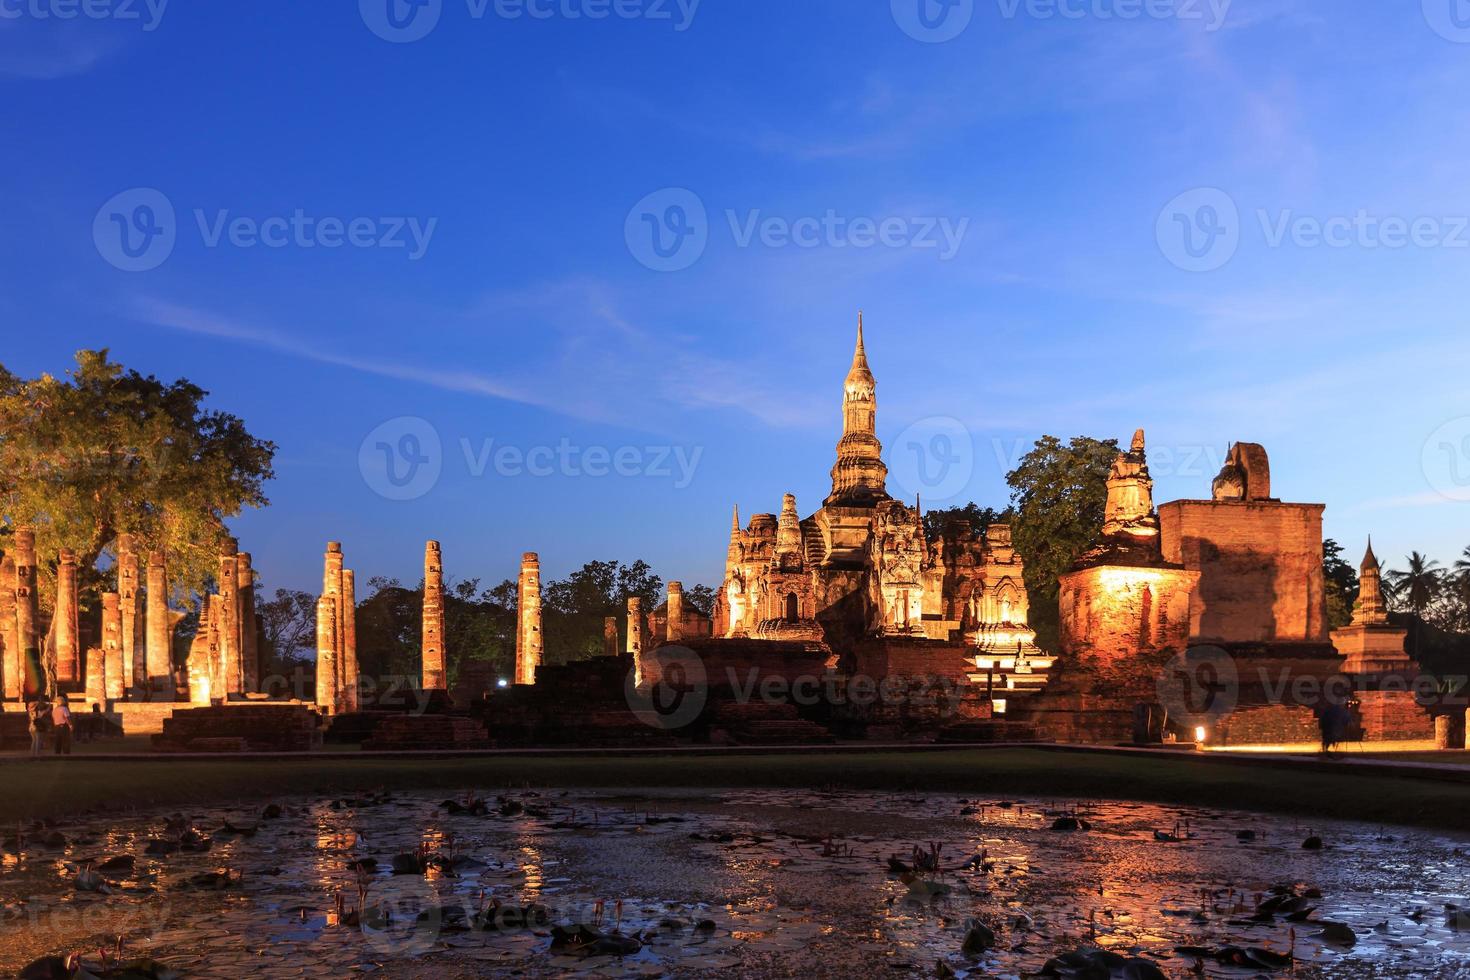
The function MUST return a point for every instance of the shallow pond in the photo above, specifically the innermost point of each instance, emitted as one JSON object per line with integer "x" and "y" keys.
{"x": 736, "y": 883}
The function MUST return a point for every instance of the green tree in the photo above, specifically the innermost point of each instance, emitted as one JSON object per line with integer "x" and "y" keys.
{"x": 979, "y": 518}
{"x": 700, "y": 597}
{"x": 574, "y": 608}
{"x": 1415, "y": 589}
{"x": 1058, "y": 496}
{"x": 1342, "y": 585}
{"x": 109, "y": 451}
{"x": 287, "y": 630}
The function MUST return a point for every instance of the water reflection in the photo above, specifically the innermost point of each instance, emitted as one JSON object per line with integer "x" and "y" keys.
{"x": 785, "y": 881}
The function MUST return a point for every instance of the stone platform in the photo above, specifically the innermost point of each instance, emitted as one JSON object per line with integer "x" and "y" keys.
{"x": 578, "y": 704}
{"x": 408, "y": 733}
{"x": 286, "y": 727}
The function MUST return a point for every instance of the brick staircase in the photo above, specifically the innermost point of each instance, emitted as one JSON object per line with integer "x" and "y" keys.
{"x": 240, "y": 728}
{"x": 759, "y": 723}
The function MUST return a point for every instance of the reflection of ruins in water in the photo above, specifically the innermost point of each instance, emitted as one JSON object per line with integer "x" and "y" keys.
{"x": 742, "y": 881}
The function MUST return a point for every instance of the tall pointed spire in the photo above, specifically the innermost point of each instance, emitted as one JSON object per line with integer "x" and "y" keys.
{"x": 860, "y": 368}
{"x": 859, "y": 477}
{"x": 1370, "y": 609}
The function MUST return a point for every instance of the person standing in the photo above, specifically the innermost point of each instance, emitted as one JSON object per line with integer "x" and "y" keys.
{"x": 61, "y": 721}
{"x": 36, "y": 714}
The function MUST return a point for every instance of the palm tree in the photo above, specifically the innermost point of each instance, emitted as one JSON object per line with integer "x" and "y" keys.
{"x": 1461, "y": 585}
{"x": 1416, "y": 588}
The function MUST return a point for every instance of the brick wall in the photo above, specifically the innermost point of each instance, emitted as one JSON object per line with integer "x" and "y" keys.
{"x": 1260, "y": 564}
{"x": 1271, "y": 724}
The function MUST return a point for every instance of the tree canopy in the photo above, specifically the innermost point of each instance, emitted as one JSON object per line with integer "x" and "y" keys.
{"x": 108, "y": 451}
{"x": 1059, "y": 493}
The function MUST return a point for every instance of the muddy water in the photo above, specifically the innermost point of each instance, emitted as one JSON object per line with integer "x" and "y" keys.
{"x": 737, "y": 883}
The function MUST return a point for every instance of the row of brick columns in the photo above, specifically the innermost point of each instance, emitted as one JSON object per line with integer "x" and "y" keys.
{"x": 337, "y": 684}
{"x": 135, "y": 647}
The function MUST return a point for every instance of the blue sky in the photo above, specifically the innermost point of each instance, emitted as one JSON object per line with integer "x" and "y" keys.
{"x": 831, "y": 147}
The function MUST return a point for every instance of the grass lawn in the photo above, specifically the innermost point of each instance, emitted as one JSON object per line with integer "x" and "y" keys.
{"x": 51, "y": 787}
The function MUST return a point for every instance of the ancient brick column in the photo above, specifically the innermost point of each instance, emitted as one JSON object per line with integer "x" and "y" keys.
{"x": 249, "y": 641}
{"x": 94, "y": 686}
{"x": 610, "y": 636}
{"x": 159, "y": 630}
{"x": 26, "y": 613}
{"x": 674, "y": 626}
{"x": 635, "y": 625}
{"x": 229, "y": 621}
{"x": 130, "y": 592}
{"x": 528, "y": 632}
{"x": 198, "y": 665}
{"x": 347, "y": 642}
{"x": 12, "y": 662}
{"x": 218, "y": 623}
{"x": 112, "y": 651}
{"x": 433, "y": 655}
{"x": 332, "y": 589}
{"x": 68, "y": 656}
{"x": 326, "y": 655}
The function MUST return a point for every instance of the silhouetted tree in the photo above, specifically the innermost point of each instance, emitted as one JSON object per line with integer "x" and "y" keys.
{"x": 1342, "y": 585}
{"x": 937, "y": 521}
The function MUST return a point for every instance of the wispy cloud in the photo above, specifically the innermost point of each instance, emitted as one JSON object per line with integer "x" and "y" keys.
{"x": 599, "y": 365}
{"x": 45, "y": 50}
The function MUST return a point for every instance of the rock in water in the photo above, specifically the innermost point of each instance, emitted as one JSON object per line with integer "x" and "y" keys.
{"x": 1339, "y": 935}
{"x": 978, "y": 938}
